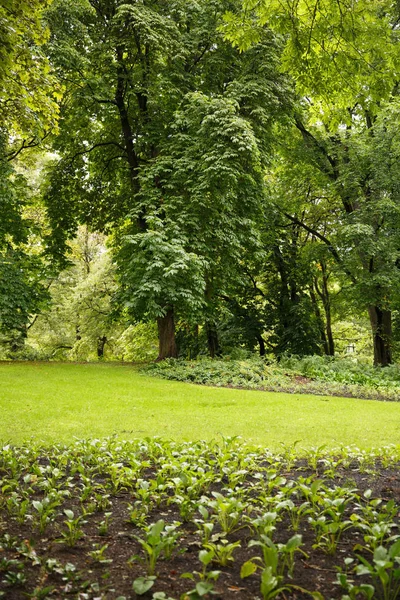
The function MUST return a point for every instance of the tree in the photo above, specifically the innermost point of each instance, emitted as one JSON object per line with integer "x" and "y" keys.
{"x": 163, "y": 138}
{"x": 27, "y": 108}
{"x": 28, "y": 90}
{"x": 22, "y": 293}
{"x": 345, "y": 61}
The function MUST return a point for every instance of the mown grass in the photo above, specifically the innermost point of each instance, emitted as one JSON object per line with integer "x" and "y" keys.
{"x": 55, "y": 402}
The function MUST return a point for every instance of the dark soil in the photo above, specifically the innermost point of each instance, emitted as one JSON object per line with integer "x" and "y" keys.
{"x": 93, "y": 580}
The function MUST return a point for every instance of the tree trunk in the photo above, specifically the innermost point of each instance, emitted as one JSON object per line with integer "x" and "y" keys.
{"x": 381, "y": 325}
{"x": 320, "y": 321}
{"x": 166, "y": 336}
{"x": 261, "y": 343}
{"x": 101, "y": 342}
{"x": 212, "y": 340}
{"x": 323, "y": 293}
{"x": 326, "y": 301}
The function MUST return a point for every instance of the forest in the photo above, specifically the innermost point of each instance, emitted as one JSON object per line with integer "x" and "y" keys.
{"x": 199, "y": 177}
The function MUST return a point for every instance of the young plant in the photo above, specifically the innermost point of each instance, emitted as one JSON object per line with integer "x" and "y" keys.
{"x": 45, "y": 510}
{"x": 228, "y": 512}
{"x": 295, "y": 513}
{"x": 206, "y": 578}
{"x": 159, "y": 539}
{"x": 279, "y": 556}
{"x": 73, "y": 531}
{"x": 98, "y": 554}
{"x": 205, "y": 526}
{"x": 222, "y": 552}
{"x": 384, "y": 570}
{"x": 142, "y": 585}
{"x": 104, "y": 525}
{"x": 265, "y": 524}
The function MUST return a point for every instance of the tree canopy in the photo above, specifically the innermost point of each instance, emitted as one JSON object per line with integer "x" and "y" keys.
{"x": 240, "y": 158}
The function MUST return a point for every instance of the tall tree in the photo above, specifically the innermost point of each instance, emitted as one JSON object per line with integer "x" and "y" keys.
{"x": 164, "y": 134}
{"x": 28, "y": 110}
{"x": 345, "y": 60}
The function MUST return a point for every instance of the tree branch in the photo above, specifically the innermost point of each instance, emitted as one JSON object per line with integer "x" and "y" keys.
{"x": 324, "y": 239}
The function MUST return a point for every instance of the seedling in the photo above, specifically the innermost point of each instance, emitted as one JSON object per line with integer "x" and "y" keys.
{"x": 222, "y": 552}
{"x": 159, "y": 539}
{"x": 73, "y": 531}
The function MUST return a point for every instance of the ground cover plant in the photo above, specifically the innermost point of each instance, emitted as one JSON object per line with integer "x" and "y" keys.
{"x": 310, "y": 375}
{"x": 53, "y": 402}
{"x": 112, "y": 519}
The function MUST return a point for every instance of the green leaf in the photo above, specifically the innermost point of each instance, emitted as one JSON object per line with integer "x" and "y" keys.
{"x": 248, "y": 568}
{"x": 206, "y": 557}
{"x": 203, "y": 588}
{"x": 141, "y": 585}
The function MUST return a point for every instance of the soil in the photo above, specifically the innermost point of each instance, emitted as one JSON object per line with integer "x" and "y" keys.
{"x": 93, "y": 580}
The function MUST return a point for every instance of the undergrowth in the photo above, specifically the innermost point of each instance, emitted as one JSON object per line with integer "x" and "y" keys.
{"x": 311, "y": 374}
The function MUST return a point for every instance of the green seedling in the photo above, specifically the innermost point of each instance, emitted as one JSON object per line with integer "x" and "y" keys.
{"x": 384, "y": 570}
{"x": 160, "y": 539}
{"x": 41, "y": 593}
{"x": 294, "y": 512}
{"x": 142, "y": 585}
{"x": 206, "y": 578}
{"x": 353, "y": 592}
{"x": 73, "y": 532}
{"x": 104, "y": 525}
{"x": 45, "y": 511}
{"x": 138, "y": 514}
{"x": 223, "y": 551}
{"x": 205, "y": 526}
{"x": 227, "y": 512}
{"x": 279, "y": 556}
{"x": 264, "y": 524}
{"x": 15, "y": 578}
{"x": 98, "y": 554}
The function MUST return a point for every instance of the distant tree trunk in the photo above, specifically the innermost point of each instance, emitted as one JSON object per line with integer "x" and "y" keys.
{"x": 166, "y": 336}
{"x": 321, "y": 324}
{"x": 212, "y": 340}
{"x": 261, "y": 343}
{"x": 323, "y": 293}
{"x": 326, "y": 301}
{"x": 101, "y": 342}
{"x": 381, "y": 326}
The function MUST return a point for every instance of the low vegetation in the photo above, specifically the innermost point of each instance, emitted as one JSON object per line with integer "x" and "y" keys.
{"x": 311, "y": 374}
{"x": 162, "y": 520}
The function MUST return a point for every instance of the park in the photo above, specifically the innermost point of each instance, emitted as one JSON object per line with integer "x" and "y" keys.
{"x": 199, "y": 300}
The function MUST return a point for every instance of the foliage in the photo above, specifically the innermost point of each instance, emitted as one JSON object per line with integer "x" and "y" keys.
{"x": 22, "y": 293}
{"x": 176, "y": 176}
{"x": 241, "y": 156}
{"x": 335, "y": 55}
{"x": 312, "y": 374}
{"x": 347, "y": 371}
{"x": 28, "y": 90}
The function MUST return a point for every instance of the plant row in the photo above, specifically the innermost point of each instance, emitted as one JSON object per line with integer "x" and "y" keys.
{"x": 116, "y": 519}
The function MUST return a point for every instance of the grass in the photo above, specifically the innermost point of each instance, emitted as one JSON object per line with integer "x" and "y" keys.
{"x": 53, "y": 402}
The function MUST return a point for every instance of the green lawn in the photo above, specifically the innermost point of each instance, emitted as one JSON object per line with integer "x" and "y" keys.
{"x": 59, "y": 402}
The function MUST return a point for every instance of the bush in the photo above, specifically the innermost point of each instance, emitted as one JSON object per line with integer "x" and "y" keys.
{"x": 311, "y": 374}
